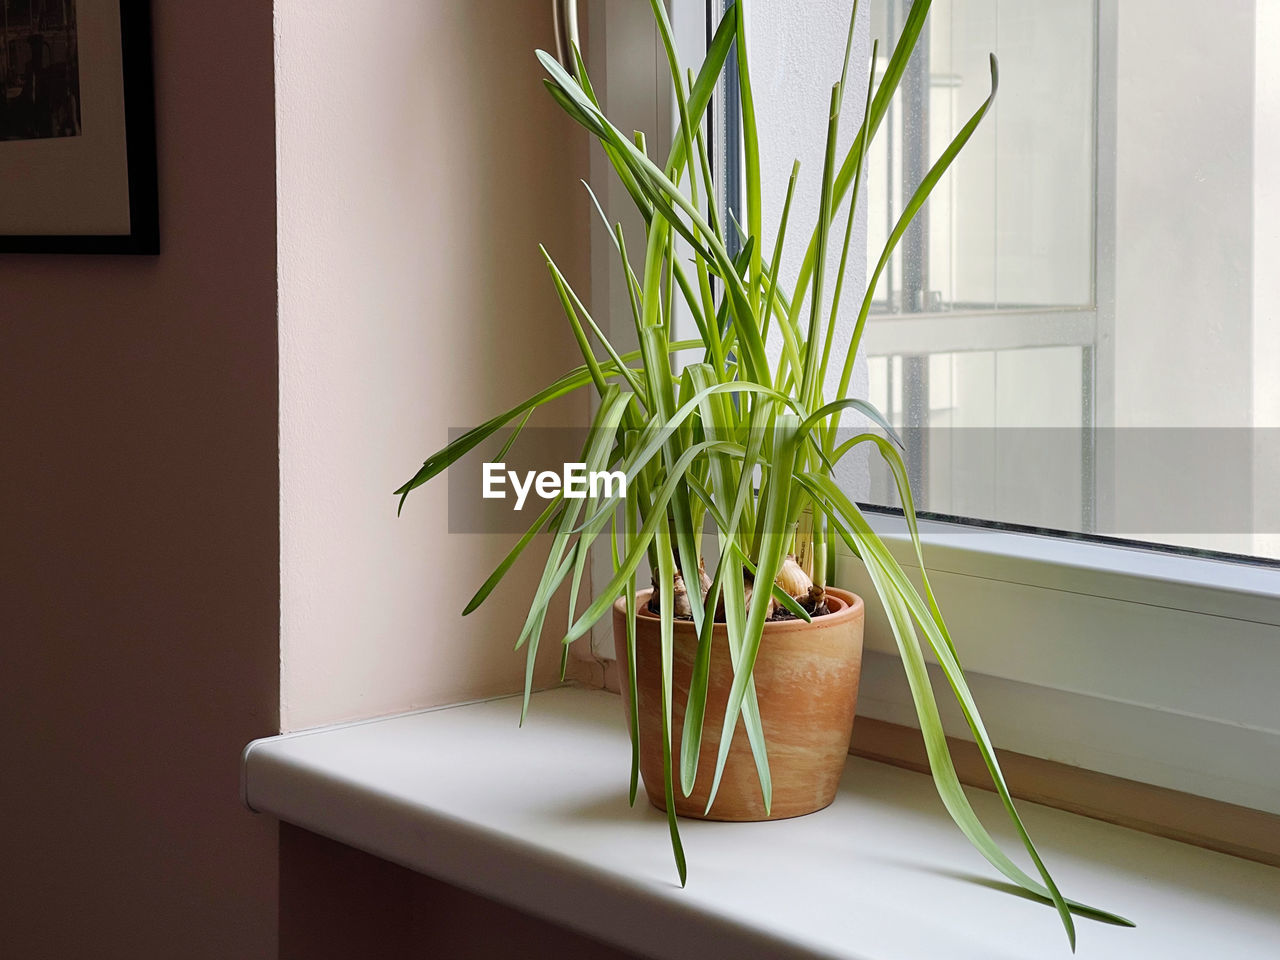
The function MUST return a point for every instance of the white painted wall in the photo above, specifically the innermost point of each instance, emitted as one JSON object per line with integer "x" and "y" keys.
{"x": 797, "y": 54}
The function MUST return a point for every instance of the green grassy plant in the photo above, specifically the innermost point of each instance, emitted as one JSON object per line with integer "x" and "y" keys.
{"x": 692, "y": 440}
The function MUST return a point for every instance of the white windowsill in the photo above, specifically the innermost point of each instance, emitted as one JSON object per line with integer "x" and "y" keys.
{"x": 1138, "y": 664}
{"x": 538, "y": 818}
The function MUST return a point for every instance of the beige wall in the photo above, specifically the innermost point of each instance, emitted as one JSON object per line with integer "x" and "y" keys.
{"x": 420, "y": 164}
{"x": 138, "y": 552}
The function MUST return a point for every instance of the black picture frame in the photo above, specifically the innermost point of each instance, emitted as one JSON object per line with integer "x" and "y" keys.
{"x": 140, "y": 150}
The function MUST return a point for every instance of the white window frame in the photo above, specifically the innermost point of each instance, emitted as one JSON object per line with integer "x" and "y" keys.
{"x": 1132, "y": 662}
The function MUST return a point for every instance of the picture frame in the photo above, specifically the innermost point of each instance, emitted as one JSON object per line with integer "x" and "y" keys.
{"x": 78, "y": 171}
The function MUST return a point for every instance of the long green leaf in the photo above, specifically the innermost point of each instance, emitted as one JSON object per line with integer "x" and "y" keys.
{"x": 717, "y": 425}
{"x": 571, "y": 381}
{"x": 573, "y": 306}
{"x": 909, "y": 212}
{"x": 600, "y": 442}
{"x": 810, "y": 382}
{"x": 696, "y": 444}
{"x": 879, "y": 560}
{"x": 629, "y": 652}
{"x": 774, "y": 540}
{"x": 750, "y": 148}
{"x": 657, "y": 432}
{"x": 501, "y": 571}
{"x": 854, "y": 196}
{"x": 894, "y": 70}
{"x": 631, "y": 562}
{"x": 666, "y": 606}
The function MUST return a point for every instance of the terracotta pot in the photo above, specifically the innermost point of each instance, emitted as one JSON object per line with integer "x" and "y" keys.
{"x": 806, "y": 677}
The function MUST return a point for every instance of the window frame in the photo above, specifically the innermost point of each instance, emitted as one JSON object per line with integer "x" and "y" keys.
{"x": 1130, "y": 661}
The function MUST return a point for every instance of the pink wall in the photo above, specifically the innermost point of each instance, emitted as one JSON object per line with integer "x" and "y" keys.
{"x": 139, "y": 580}
{"x": 146, "y": 502}
{"x": 420, "y": 166}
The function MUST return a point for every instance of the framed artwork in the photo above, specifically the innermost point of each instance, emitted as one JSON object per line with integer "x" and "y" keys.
{"x": 77, "y": 127}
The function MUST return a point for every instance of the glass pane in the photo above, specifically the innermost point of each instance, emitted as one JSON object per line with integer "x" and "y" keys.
{"x": 1082, "y": 330}
{"x": 1195, "y": 152}
{"x": 1011, "y": 226}
{"x": 987, "y": 452}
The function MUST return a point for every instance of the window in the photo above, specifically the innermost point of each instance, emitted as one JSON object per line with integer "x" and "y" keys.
{"x": 1074, "y": 335}
{"x": 1047, "y": 338}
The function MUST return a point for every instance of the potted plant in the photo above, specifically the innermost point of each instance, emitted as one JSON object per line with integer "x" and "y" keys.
{"x": 750, "y": 446}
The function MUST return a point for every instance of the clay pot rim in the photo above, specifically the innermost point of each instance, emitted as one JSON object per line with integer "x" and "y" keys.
{"x": 851, "y": 609}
